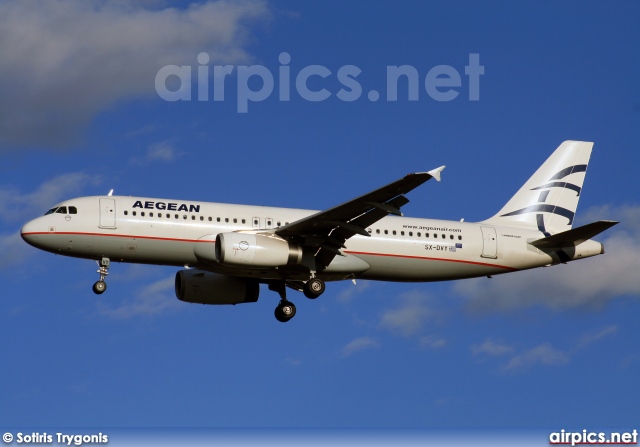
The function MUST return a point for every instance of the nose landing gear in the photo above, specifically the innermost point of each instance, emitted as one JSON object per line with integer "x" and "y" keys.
{"x": 100, "y": 286}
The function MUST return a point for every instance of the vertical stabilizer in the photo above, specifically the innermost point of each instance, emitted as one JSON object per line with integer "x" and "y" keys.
{"x": 549, "y": 199}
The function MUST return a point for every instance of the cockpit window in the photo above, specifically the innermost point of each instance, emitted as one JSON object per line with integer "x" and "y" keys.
{"x": 62, "y": 210}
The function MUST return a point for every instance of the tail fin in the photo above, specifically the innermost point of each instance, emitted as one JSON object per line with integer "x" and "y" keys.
{"x": 549, "y": 199}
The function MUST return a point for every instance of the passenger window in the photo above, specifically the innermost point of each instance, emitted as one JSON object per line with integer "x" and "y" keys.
{"x": 184, "y": 216}
{"x": 394, "y": 232}
{"x": 378, "y": 231}
{"x": 459, "y": 238}
{"x": 386, "y": 231}
{"x": 418, "y": 234}
{"x": 150, "y": 214}
{"x": 226, "y": 219}
{"x": 451, "y": 237}
{"x": 402, "y": 233}
{"x": 426, "y": 235}
{"x": 244, "y": 221}
{"x": 202, "y": 218}
{"x": 235, "y": 220}
{"x": 126, "y": 213}
{"x": 177, "y": 217}
{"x": 210, "y": 219}
{"x": 218, "y": 219}
{"x": 142, "y": 213}
{"x": 444, "y": 237}
{"x": 73, "y": 210}
{"x": 134, "y": 213}
{"x": 193, "y": 217}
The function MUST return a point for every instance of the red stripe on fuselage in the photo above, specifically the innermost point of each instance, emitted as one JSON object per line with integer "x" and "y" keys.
{"x": 129, "y": 236}
{"x": 426, "y": 258}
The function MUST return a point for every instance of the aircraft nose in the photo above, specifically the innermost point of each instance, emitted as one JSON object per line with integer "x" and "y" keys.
{"x": 29, "y": 232}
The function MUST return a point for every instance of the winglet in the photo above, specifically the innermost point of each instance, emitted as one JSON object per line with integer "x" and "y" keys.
{"x": 435, "y": 173}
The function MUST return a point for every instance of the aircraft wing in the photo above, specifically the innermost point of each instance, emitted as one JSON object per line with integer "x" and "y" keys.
{"x": 328, "y": 230}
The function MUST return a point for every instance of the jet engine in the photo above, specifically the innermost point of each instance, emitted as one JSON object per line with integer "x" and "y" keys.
{"x": 197, "y": 286}
{"x": 254, "y": 250}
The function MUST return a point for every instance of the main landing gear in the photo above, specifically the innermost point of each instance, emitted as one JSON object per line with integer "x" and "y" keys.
{"x": 286, "y": 310}
{"x": 313, "y": 288}
{"x": 100, "y": 286}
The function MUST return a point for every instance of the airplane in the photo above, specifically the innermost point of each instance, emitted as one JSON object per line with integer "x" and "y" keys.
{"x": 228, "y": 250}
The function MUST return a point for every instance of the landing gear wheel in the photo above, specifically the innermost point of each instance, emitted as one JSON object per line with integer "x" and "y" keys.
{"x": 313, "y": 288}
{"x": 285, "y": 311}
{"x": 99, "y": 287}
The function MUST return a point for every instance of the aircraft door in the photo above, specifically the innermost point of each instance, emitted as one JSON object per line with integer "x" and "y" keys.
{"x": 107, "y": 213}
{"x": 489, "y": 242}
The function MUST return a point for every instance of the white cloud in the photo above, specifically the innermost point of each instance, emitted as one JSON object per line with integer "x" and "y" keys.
{"x": 18, "y": 206}
{"x": 491, "y": 347}
{"x": 410, "y": 316}
{"x": 153, "y": 299}
{"x": 592, "y": 337}
{"x": 358, "y": 345}
{"x": 64, "y": 61}
{"x": 14, "y": 250}
{"x": 157, "y": 152}
{"x": 136, "y": 272}
{"x": 293, "y": 362}
{"x": 587, "y": 283}
{"x": 544, "y": 354}
{"x": 432, "y": 342}
{"x": 161, "y": 151}
{"x": 627, "y": 215}
{"x": 352, "y": 290}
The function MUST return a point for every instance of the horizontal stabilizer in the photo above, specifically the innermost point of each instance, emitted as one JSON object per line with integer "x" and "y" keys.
{"x": 575, "y": 236}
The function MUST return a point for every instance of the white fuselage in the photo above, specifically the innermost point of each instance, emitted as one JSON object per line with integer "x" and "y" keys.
{"x": 167, "y": 232}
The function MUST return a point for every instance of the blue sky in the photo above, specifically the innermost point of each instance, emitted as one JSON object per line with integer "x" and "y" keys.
{"x": 80, "y": 115}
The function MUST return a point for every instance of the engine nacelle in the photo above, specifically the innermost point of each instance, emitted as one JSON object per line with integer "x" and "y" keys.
{"x": 197, "y": 286}
{"x": 254, "y": 250}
